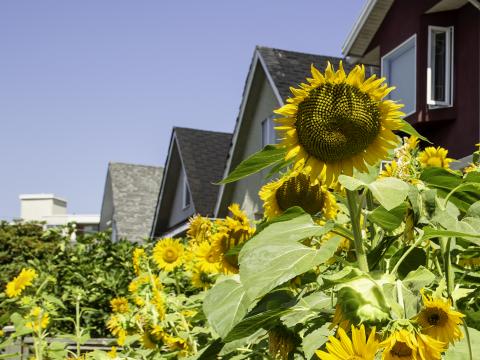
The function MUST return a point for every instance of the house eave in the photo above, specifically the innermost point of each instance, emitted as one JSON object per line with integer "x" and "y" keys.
{"x": 257, "y": 59}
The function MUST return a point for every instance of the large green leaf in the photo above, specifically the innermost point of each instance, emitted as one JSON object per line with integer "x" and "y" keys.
{"x": 275, "y": 256}
{"x": 388, "y": 220}
{"x": 306, "y": 308}
{"x": 314, "y": 340}
{"x": 266, "y": 157}
{"x": 226, "y": 304}
{"x": 460, "y": 350}
{"x": 389, "y": 192}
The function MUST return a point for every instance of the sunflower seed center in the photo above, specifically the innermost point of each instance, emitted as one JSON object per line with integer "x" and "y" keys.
{"x": 337, "y": 121}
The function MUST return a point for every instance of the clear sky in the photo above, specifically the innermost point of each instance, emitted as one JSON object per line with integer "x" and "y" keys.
{"x": 86, "y": 82}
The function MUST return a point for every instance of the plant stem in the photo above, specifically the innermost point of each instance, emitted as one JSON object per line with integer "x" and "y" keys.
{"x": 445, "y": 244}
{"x": 353, "y": 208}
{"x": 77, "y": 325}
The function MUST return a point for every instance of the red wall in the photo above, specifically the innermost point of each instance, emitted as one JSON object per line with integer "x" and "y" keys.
{"x": 456, "y": 128}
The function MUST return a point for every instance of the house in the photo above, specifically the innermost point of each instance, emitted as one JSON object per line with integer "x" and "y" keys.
{"x": 430, "y": 50}
{"x": 195, "y": 161}
{"x": 129, "y": 200}
{"x": 272, "y": 72}
{"x": 52, "y": 210}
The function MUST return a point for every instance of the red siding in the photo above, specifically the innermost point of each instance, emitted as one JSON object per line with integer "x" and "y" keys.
{"x": 456, "y": 128}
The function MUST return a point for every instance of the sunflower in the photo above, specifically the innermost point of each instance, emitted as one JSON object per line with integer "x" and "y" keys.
{"x": 358, "y": 348}
{"x": 390, "y": 170}
{"x": 207, "y": 258}
{"x": 112, "y": 354}
{"x": 200, "y": 279}
{"x": 231, "y": 232}
{"x": 439, "y": 320}
{"x": 138, "y": 254}
{"x": 176, "y": 343}
{"x": 18, "y": 284}
{"x": 119, "y": 305}
{"x": 410, "y": 345}
{"x": 437, "y": 157}
{"x": 39, "y": 319}
{"x": 169, "y": 254}
{"x": 114, "y": 324}
{"x": 336, "y": 123}
{"x": 159, "y": 303}
{"x": 199, "y": 228}
{"x": 148, "y": 340}
{"x": 295, "y": 190}
{"x": 339, "y": 319}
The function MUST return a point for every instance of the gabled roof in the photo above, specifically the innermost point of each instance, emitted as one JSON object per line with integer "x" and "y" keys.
{"x": 202, "y": 155}
{"x": 282, "y": 69}
{"x": 134, "y": 192}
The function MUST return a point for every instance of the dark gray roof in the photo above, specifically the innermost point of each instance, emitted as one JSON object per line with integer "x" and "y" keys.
{"x": 135, "y": 191}
{"x": 203, "y": 154}
{"x": 290, "y": 68}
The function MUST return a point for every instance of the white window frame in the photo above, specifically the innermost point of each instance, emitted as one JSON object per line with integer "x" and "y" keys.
{"x": 268, "y": 121}
{"x": 449, "y": 38}
{"x": 187, "y": 195}
{"x": 385, "y": 67}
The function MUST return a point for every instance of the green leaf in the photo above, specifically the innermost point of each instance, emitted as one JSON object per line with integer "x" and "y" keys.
{"x": 289, "y": 214}
{"x": 275, "y": 256}
{"x": 474, "y": 210}
{"x": 315, "y": 340}
{"x": 459, "y": 351}
{"x": 388, "y": 220}
{"x": 234, "y": 345}
{"x": 268, "y": 156}
{"x": 211, "y": 351}
{"x": 251, "y": 324}
{"x": 389, "y": 192}
{"x": 407, "y": 128}
{"x": 418, "y": 279}
{"x": 226, "y": 304}
{"x": 306, "y": 308}
{"x": 416, "y": 258}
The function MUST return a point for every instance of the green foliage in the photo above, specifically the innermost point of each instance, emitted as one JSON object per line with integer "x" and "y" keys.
{"x": 92, "y": 268}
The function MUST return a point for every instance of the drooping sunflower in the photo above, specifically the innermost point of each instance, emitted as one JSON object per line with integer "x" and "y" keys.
{"x": 114, "y": 324}
{"x": 19, "y": 283}
{"x": 338, "y": 122}
{"x": 357, "y": 348}
{"x": 177, "y": 343}
{"x": 201, "y": 279}
{"x": 159, "y": 303}
{"x": 403, "y": 344}
{"x": 207, "y": 259}
{"x": 39, "y": 319}
{"x": 138, "y": 254}
{"x": 295, "y": 189}
{"x": 437, "y": 157}
{"x": 439, "y": 320}
{"x": 231, "y": 231}
{"x": 390, "y": 170}
{"x": 199, "y": 228}
{"x": 119, "y": 305}
{"x": 168, "y": 253}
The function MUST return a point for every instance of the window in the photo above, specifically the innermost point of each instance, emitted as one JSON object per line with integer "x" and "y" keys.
{"x": 399, "y": 68}
{"x": 440, "y": 66}
{"x": 186, "y": 193}
{"x": 268, "y": 131}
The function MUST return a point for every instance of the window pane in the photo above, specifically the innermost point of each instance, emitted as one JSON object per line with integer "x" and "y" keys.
{"x": 399, "y": 69}
{"x": 264, "y": 132}
{"x": 439, "y": 66}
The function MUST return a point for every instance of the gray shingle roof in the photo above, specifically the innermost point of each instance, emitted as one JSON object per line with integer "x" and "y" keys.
{"x": 135, "y": 191}
{"x": 204, "y": 154}
{"x": 290, "y": 68}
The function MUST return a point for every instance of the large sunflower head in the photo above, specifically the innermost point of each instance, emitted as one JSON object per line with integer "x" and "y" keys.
{"x": 338, "y": 122}
{"x": 169, "y": 254}
{"x": 439, "y": 320}
{"x": 356, "y": 348}
{"x": 295, "y": 189}
{"x": 437, "y": 157}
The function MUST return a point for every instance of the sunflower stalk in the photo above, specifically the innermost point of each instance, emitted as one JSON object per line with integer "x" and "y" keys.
{"x": 355, "y": 212}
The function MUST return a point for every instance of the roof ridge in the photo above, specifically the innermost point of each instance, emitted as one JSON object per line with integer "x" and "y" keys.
{"x": 133, "y": 164}
{"x": 298, "y": 52}
{"x": 201, "y": 130}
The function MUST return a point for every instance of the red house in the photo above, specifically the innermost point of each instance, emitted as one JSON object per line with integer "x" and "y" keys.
{"x": 429, "y": 50}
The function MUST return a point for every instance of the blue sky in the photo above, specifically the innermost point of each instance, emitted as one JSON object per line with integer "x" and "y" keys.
{"x": 86, "y": 82}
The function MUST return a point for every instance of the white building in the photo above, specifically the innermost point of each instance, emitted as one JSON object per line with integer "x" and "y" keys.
{"x": 52, "y": 210}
